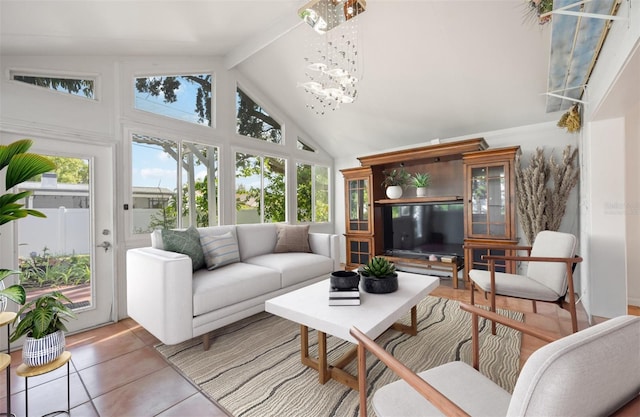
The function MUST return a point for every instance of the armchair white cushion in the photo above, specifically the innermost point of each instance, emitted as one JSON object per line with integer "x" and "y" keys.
{"x": 549, "y": 275}
{"x": 593, "y": 372}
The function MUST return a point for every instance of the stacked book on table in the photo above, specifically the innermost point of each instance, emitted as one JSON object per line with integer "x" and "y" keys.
{"x": 344, "y": 297}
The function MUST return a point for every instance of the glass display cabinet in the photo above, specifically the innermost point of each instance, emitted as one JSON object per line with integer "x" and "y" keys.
{"x": 490, "y": 205}
{"x": 359, "y": 216}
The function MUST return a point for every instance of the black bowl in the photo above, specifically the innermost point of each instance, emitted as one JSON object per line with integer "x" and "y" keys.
{"x": 344, "y": 280}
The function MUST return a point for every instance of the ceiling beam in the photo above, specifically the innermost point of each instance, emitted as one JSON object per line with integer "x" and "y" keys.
{"x": 261, "y": 40}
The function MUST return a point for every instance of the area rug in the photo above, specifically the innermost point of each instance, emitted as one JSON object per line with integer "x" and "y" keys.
{"x": 253, "y": 367}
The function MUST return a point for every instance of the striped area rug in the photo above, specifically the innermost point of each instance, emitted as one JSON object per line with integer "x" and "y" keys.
{"x": 253, "y": 367}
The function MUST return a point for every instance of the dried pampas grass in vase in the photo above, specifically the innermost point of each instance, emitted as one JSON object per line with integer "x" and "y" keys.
{"x": 543, "y": 189}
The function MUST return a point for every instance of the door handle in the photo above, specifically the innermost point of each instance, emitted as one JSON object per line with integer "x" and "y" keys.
{"x": 106, "y": 245}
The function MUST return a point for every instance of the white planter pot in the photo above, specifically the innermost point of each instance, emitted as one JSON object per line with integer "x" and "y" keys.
{"x": 37, "y": 352}
{"x": 421, "y": 191}
{"x": 394, "y": 191}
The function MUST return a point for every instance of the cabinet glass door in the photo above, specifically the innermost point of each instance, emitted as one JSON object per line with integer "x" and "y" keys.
{"x": 488, "y": 201}
{"x": 359, "y": 205}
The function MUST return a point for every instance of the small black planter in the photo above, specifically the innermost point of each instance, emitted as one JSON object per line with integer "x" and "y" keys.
{"x": 344, "y": 280}
{"x": 383, "y": 285}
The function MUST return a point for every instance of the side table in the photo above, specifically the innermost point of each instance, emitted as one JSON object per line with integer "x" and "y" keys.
{"x": 28, "y": 371}
{"x": 6, "y": 318}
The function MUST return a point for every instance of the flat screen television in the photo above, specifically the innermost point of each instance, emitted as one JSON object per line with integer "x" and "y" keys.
{"x": 419, "y": 230}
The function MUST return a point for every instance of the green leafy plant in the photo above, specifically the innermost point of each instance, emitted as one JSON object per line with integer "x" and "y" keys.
{"x": 21, "y": 166}
{"x": 395, "y": 176}
{"x": 42, "y": 316}
{"x": 421, "y": 179}
{"x": 42, "y": 270}
{"x": 378, "y": 267}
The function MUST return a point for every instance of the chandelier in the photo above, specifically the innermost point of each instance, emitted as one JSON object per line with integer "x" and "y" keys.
{"x": 332, "y": 62}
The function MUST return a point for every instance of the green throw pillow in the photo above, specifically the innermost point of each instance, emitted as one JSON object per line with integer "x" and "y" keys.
{"x": 186, "y": 242}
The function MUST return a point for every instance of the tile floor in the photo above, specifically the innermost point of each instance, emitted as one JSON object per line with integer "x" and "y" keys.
{"x": 115, "y": 371}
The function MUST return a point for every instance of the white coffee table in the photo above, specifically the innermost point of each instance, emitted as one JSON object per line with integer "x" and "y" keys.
{"x": 376, "y": 313}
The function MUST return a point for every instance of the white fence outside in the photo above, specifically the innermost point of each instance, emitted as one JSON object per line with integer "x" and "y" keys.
{"x": 63, "y": 232}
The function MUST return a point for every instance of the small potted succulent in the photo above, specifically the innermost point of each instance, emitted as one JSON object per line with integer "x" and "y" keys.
{"x": 379, "y": 276}
{"x": 395, "y": 181}
{"x": 42, "y": 322}
{"x": 421, "y": 181}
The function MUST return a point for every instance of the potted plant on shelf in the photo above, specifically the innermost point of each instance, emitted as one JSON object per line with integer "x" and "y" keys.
{"x": 42, "y": 322}
{"x": 421, "y": 180}
{"x": 379, "y": 276}
{"x": 21, "y": 166}
{"x": 395, "y": 180}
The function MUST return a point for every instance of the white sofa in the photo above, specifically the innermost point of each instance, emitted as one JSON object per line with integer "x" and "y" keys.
{"x": 176, "y": 304}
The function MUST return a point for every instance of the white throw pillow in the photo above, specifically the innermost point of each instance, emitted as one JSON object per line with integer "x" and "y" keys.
{"x": 219, "y": 250}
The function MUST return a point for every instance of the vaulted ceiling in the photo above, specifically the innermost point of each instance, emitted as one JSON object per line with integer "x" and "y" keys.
{"x": 431, "y": 69}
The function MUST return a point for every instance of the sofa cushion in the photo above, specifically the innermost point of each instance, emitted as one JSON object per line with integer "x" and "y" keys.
{"x": 256, "y": 239}
{"x": 292, "y": 238}
{"x": 231, "y": 284}
{"x": 219, "y": 250}
{"x": 186, "y": 242}
{"x": 295, "y": 267}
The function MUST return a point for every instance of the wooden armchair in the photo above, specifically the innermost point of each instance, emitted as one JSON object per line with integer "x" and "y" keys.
{"x": 549, "y": 277}
{"x": 593, "y": 372}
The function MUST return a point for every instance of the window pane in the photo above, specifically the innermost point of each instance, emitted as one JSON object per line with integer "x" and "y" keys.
{"x": 182, "y": 97}
{"x": 304, "y": 201}
{"x": 154, "y": 183}
{"x": 248, "y": 188}
{"x": 260, "y": 189}
{"x": 304, "y": 147}
{"x": 274, "y": 190}
{"x": 75, "y": 86}
{"x": 199, "y": 185}
{"x": 321, "y": 187}
{"x": 254, "y": 121}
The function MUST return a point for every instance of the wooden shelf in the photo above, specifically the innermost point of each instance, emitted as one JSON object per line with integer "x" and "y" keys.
{"x": 413, "y": 200}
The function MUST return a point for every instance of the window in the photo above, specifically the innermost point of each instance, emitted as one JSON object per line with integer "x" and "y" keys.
{"x": 75, "y": 86}
{"x": 182, "y": 97}
{"x": 313, "y": 193}
{"x": 260, "y": 189}
{"x": 254, "y": 121}
{"x": 155, "y": 178}
{"x": 304, "y": 147}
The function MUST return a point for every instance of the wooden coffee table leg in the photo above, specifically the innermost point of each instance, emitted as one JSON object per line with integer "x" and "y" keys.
{"x": 411, "y": 329}
{"x": 304, "y": 344}
{"x": 323, "y": 369}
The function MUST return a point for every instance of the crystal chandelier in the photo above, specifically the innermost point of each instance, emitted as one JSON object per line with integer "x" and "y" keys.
{"x": 332, "y": 62}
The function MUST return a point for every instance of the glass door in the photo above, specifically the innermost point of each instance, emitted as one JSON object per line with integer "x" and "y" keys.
{"x": 71, "y": 250}
{"x": 488, "y": 201}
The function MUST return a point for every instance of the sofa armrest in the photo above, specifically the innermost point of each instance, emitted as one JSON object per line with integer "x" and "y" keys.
{"x": 327, "y": 245}
{"x": 160, "y": 294}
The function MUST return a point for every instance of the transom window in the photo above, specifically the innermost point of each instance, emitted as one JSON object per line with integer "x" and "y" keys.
{"x": 182, "y": 97}
{"x": 81, "y": 87}
{"x": 254, "y": 121}
{"x": 304, "y": 147}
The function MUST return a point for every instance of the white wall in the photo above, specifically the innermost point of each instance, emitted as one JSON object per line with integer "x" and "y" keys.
{"x": 632, "y": 191}
{"x": 611, "y": 126}
{"x": 605, "y": 219}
